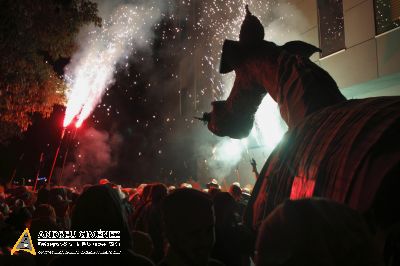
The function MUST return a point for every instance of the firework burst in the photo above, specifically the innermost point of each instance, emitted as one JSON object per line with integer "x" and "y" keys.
{"x": 93, "y": 68}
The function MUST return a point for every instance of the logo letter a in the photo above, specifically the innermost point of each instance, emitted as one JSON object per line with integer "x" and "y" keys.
{"x": 24, "y": 243}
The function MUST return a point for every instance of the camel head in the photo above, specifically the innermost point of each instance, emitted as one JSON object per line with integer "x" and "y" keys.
{"x": 248, "y": 57}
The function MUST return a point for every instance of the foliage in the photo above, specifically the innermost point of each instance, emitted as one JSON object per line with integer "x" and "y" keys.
{"x": 34, "y": 35}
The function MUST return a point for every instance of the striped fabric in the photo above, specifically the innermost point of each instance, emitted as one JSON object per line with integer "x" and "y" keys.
{"x": 346, "y": 150}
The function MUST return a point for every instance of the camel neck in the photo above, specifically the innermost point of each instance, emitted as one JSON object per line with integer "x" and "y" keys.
{"x": 300, "y": 87}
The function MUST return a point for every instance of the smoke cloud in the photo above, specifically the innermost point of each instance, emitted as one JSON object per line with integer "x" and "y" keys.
{"x": 94, "y": 157}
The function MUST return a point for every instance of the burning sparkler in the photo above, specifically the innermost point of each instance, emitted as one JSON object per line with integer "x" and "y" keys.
{"x": 91, "y": 71}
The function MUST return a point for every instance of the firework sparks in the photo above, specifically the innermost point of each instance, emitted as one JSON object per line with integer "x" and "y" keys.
{"x": 92, "y": 69}
{"x": 186, "y": 28}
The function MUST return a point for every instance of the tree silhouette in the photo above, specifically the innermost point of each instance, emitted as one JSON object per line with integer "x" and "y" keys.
{"x": 36, "y": 40}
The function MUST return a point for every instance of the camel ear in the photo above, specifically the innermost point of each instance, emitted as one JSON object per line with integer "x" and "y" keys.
{"x": 301, "y": 48}
{"x": 230, "y": 57}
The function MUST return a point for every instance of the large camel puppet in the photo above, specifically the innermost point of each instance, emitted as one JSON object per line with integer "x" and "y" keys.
{"x": 345, "y": 150}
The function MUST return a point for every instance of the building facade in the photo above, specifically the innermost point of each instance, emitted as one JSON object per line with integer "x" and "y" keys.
{"x": 366, "y": 62}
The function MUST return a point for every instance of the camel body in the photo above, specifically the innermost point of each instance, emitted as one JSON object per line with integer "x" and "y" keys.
{"x": 345, "y": 150}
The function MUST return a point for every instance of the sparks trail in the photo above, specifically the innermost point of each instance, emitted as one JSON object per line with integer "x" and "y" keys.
{"x": 92, "y": 70}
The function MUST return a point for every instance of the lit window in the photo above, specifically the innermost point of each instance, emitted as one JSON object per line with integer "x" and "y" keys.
{"x": 331, "y": 26}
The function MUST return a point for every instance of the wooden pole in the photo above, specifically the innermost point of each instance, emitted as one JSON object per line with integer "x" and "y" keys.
{"x": 55, "y": 158}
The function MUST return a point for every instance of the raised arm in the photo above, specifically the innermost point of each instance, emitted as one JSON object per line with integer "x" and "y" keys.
{"x": 254, "y": 166}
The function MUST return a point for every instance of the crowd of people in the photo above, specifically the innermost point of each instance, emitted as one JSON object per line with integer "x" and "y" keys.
{"x": 162, "y": 225}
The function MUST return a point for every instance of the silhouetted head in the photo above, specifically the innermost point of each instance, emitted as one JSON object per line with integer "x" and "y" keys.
{"x": 158, "y": 192}
{"x": 225, "y": 209}
{"x": 315, "y": 232}
{"x": 20, "y": 219}
{"x": 100, "y": 207}
{"x": 45, "y": 212}
{"x": 145, "y": 195}
{"x": 189, "y": 225}
{"x": 236, "y": 191}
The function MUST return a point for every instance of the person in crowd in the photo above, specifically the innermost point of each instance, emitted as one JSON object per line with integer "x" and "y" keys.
{"x": 4, "y": 211}
{"x": 171, "y": 188}
{"x": 234, "y": 242}
{"x": 20, "y": 219}
{"x": 246, "y": 194}
{"x": 213, "y": 187}
{"x": 185, "y": 185}
{"x": 146, "y": 193}
{"x": 150, "y": 221}
{"x": 58, "y": 199}
{"x": 132, "y": 196}
{"x": 100, "y": 207}
{"x": 43, "y": 196}
{"x": 104, "y": 181}
{"x": 213, "y": 184}
{"x": 189, "y": 222}
{"x": 236, "y": 192}
{"x": 124, "y": 196}
{"x": 22, "y": 193}
{"x": 44, "y": 219}
{"x": 143, "y": 192}
{"x": 134, "y": 200}
{"x": 315, "y": 232}
{"x": 12, "y": 228}
{"x": 212, "y": 191}
{"x": 144, "y": 196}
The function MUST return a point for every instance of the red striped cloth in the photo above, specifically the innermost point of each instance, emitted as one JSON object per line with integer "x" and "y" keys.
{"x": 342, "y": 152}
